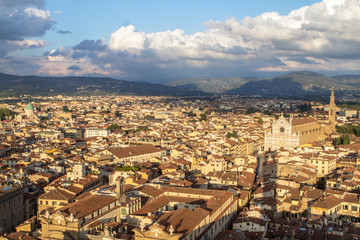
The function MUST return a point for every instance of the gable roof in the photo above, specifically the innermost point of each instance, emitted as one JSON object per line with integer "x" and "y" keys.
{"x": 58, "y": 194}
{"x": 302, "y": 121}
{"x": 135, "y": 151}
{"x": 88, "y": 205}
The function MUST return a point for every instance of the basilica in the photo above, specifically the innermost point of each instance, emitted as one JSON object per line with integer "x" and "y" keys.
{"x": 292, "y": 133}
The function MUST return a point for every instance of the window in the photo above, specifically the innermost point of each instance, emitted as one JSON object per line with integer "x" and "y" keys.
{"x": 354, "y": 208}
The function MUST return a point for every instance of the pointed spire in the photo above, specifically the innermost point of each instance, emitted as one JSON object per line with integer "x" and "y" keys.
{"x": 332, "y": 111}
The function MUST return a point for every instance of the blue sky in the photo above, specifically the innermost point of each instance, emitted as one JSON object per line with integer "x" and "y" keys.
{"x": 95, "y": 19}
{"x": 163, "y": 40}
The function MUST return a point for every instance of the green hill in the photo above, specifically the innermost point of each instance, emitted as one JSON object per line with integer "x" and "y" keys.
{"x": 211, "y": 85}
{"x": 296, "y": 83}
{"x": 293, "y": 84}
{"x": 351, "y": 80}
{"x": 12, "y": 85}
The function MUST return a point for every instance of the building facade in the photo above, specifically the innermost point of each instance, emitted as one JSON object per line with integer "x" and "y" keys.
{"x": 11, "y": 208}
{"x": 96, "y": 132}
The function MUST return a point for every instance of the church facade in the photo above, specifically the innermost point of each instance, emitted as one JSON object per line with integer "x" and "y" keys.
{"x": 292, "y": 133}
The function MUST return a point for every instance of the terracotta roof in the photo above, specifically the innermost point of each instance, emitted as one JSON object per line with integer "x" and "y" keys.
{"x": 328, "y": 202}
{"x": 302, "y": 121}
{"x": 135, "y": 151}
{"x": 231, "y": 235}
{"x": 164, "y": 200}
{"x": 87, "y": 205}
{"x": 57, "y": 194}
{"x": 351, "y": 198}
{"x": 182, "y": 220}
{"x": 151, "y": 191}
{"x": 74, "y": 189}
{"x": 19, "y": 236}
{"x": 313, "y": 193}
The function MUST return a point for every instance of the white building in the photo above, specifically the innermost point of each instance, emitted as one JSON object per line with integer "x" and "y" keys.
{"x": 281, "y": 136}
{"x": 96, "y": 132}
{"x": 78, "y": 172}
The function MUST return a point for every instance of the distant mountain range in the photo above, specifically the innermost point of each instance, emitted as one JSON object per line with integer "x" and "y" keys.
{"x": 211, "y": 85}
{"x": 293, "y": 84}
{"x": 12, "y": 85}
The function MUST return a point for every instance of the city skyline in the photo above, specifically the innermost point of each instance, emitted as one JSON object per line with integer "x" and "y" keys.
{"x": 160, "y": 41}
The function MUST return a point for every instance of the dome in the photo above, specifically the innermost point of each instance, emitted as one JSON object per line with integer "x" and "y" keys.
{"x": 29, "y": 107}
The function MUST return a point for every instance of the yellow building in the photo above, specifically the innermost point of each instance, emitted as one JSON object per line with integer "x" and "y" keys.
{"x": 54, "y": 199}
{"x": 187, "y": 214}
{"x": 324, "y": 164}
{"x": 337, "y": 208}
{"x": 73, "y": 221}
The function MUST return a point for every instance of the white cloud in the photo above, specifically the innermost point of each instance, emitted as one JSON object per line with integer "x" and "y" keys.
{"x": 29, "y": 43}
{"x": 19, "y": 22}
{"x": 39, "y": 13}
{"x": 127, "y": 39}
{"x": 323, "y": 36}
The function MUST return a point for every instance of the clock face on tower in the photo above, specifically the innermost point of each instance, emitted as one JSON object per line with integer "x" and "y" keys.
{"x": 282, "y": 129}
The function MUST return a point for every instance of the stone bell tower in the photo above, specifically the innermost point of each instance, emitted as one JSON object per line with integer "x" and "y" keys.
{"x": 332, "y": 112}
{"x": 120, "y": 190}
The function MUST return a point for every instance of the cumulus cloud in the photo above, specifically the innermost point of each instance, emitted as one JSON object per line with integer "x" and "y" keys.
{"x": 311, "y": 37}
{"x": 90, "y": 45}
{"x": 321, "y": 37}
{"x": 127, "y": 39}
{"x": 20, "y": 21}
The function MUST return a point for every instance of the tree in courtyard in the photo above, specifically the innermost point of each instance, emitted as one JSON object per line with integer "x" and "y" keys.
{"x": 65, "y": 109}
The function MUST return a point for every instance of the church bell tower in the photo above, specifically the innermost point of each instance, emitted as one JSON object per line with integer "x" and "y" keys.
{"x": 120, "y": 190}
{"x": 332, "y": 111}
